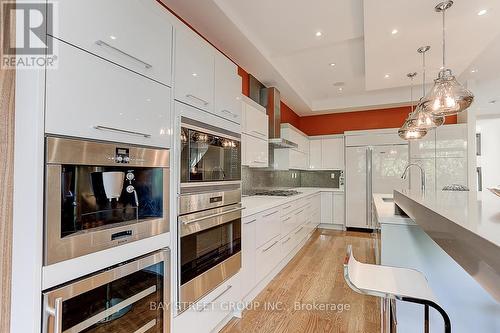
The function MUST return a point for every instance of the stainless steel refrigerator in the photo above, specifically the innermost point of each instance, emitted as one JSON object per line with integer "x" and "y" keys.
{"x": 371, "y": 168}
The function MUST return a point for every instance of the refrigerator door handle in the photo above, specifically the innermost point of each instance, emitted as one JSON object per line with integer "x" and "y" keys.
{"x": 368, "y": 185}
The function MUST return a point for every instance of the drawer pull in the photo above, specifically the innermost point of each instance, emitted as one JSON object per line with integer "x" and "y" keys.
{"x": 113, "y": 129}
{"x": 288, "y": 218}
{"x": 229, "y": 112}
{"x": 267, "y": 215}
{"x": 260, "y": 162}
{"x": 286, "y": 240}
{"x": 296, "y": 232}
{"x": 287, "y": 207}
{"x": 103, "y": 43}
{"x": 259, "y": 133}
{"x": 197, "y": 98}
{"x": 270, "y": 246}
{"x": 299, "y": 212}
{"x": 205, "y": 306}
{"x": 250, "y": 222}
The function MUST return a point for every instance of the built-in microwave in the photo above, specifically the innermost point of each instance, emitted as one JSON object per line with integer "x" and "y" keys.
{"x": 99, "y": 195}
{"x": 209, "y": 153}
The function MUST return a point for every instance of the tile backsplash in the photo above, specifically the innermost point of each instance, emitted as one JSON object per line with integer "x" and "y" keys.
{"x": 254, "y": 179}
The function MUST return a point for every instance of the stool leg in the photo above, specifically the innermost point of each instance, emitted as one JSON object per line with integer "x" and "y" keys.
{"x": 426, "y": 318}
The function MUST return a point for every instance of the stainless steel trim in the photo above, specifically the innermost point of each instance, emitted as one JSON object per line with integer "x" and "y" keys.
{"x": 54, "y": 298}
{"x": 209, "y": 129}
{"x": 269, "y": 247}
{"x": 213, "y": 215}
{"x": 195, "y": 202}
{"x": 102, "y": 43}
{"x": 201, "y": 285}
{"x": 114, "y": 129}
{"x": 282, "y": 143}
{"x": 205, "y": 306}
{"x": 86, "y": 152}
{"x": 216, "y": 186}
{"x": 197, "y": 98}
{"x": 196, "y": 222}
{"x": 58, "y": 249}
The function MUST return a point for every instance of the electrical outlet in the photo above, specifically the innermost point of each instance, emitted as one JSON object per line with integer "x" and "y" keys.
{"x": 332, "y": 175}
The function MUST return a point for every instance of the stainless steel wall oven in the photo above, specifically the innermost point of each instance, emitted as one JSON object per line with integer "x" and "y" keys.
{"x": 100, "y": 195}
{"x": 129, "y": 297}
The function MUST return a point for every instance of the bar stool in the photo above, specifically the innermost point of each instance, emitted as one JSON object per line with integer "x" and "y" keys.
{"x": 392, "y": 283}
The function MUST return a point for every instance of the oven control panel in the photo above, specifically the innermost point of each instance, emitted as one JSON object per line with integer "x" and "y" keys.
{"x": 122, "y": 155}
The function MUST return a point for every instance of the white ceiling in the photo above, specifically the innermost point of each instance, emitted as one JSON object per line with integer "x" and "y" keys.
{"x": 275, "y": 41}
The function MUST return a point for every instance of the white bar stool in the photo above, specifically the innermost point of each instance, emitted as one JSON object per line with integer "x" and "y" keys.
{"x": 392, "y": 283}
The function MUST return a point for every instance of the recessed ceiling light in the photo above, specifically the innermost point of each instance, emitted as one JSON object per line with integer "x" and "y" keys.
{"x": 482, "y": 12}
{"x": 394, "y": 31}
{"x": 112, "y": 37}
{"x": 340, "y": 89}
{"x": 386, "y": 76}
{"x": 474, "y": 71}
{"x": 194, "y": 74}
{"x": 332, "y": 64}
{"x": 319, "y": 34}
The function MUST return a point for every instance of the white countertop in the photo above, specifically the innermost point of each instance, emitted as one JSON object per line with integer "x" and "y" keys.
{"x": 386, "y": 210}
{"x": 256, "y": 203}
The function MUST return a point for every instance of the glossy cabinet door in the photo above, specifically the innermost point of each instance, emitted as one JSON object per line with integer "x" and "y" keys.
{"x": 227, "y": 89}
{"x": 248, "y": 247}
{"x": 267, "y": 258}
{"x": 338, "y": 208}
{"x": 450, "y": 171}
{"x": 268, "y": 226}
{"x": 327, "y": 207}
{"x": 256, "y": 122}
{"x": 356, "y": 187}
{"x": 332, "y": 154}
{"x": 315, "y": 154}
{"x": 451, "y": 141}
{"x": 194, "y": 70}
{"x": 425, "y": 147}
{"x": 107, "y": 29}
{"x": 256, "y": 151}
{"x": 90, "y": 97}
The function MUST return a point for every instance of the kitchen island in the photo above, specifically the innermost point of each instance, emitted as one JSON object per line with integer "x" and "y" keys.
{"x": 417, "y": 233}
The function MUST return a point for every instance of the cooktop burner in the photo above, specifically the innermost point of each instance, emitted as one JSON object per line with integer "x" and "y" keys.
{"x": 277, "y": 193}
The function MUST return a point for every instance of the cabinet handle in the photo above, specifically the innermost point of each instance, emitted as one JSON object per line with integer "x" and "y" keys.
{"x": 271, "y": 213}
{"x": 213, "y": 215}
{"x": 259, "y": 133}
{"x": 287, "y": 207}
{"x": 250, "y": 222}
{"x": 229, "y": 112}
{"x": 56, "y": 312}
{"x": 299, "y": 212}
{"x": 205, "y": 306}
{"x": 296, "y": 232}
{"x": 113, "y": 129}
{"x": 103, "y": 43}
{"x": 268, "y": 248}
{"x": 286, "y": 240}
{"x": 259, "y": 162}
{"x": 289, "y": 217}
{"x": 197, "y": 98}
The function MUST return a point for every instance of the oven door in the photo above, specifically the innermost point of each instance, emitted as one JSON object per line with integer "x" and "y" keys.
{"x": 209, "y": 155}
{"x": 210, "y": 250}
{"x": 131, "y": 297}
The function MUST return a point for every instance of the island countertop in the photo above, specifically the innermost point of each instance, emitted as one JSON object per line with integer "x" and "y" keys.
{"x": 464, "y": 224}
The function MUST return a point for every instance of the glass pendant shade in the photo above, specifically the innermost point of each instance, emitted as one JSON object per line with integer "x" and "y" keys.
{"x": 410, "y": 132}
{"x": 447, "y": 97}
{"x": 424, "y": 120}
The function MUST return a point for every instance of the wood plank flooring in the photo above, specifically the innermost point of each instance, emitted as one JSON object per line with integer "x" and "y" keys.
{"x": 315, "y": 276}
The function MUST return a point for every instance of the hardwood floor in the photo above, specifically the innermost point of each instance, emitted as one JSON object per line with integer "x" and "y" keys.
{"x": 315, "y": 276}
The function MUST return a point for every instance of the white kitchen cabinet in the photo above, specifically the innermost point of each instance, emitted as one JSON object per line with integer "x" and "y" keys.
{"x": 326, "y": 207}
{"x": 425, "y": 147}
{"x": 451, "y": 170}
{"x": 194, "y": 70}
{"x": 268, "y": 226}
{"x": 451, "y": 141}
{"x": 332, "y": 154}
{"x": 255, "y": 151}
{"x": 248, "y": 247}
{"x": 104, "y": 28}
{"x": 315, "y": 154}
{"x": 227, "y": 89}
{"x": 267, "y": 257}
{"x": 256, "y": 120}
{"x": 93, "y": 98}
{"x": 289, "y": 132}
{"x": 338, "y": 208}
{"x": 286, "y": 159}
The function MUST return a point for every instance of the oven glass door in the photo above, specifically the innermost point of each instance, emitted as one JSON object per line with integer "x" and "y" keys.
{"x": 205, "y": 249}
{"x": 100, "y": 196}
{"x": 207, "y": 157}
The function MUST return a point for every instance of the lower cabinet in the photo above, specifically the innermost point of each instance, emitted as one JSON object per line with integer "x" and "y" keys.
{"x": 332, "y": 208}
{"x": 267, "y": 257}
{"x": 248, "y": 259}
{"x": 338, "y": 208}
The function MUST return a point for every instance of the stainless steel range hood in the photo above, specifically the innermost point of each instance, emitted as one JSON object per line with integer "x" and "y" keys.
{"x": 270, "y": 98}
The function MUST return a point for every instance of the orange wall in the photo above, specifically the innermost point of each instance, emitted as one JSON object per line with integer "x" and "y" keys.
{"x": 337, "y": 123}
{"x": 245, "y": 81}
{"x": 288, "y": 116}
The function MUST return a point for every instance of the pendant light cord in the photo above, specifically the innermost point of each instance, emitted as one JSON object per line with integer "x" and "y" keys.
{"x": 423, "y": 74}
{"x": 444, "y": 40}
{"x": 411, "y": 93}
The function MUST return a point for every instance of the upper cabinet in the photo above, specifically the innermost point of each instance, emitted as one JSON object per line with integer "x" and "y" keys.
{"x": 194, "y": 70}
{"x": 255, "y": 122}
{"x": 293, "y": 134}
{"x": 326, "y": 153}
{"x": 104, "y": 28}
{"x": 227, "y": 89}
{"x": 451, "y": 141}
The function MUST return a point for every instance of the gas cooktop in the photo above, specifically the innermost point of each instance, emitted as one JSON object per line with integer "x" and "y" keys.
{"x": 277, "y": 193}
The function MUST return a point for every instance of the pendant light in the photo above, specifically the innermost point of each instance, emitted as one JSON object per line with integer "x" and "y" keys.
{"x": 421, "y": 118}
{"x": 409, "y": 131}
{"x": 448, "y": 96}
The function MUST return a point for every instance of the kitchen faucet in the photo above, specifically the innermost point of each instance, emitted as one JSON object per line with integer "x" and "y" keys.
{"x": 422, "y": 175}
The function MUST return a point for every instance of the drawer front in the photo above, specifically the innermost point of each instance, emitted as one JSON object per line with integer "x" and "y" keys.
{"x": 288, "y": 223}
{"x": 267, "y": 257}
{"x": 268, "y": 226}
{"x": 106, "y": 29}
{"x": 287, "y": 245}
{"x": 90, "y": 97}
{"x": 247, "y": 272}
{"x": 227, "y": 89}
